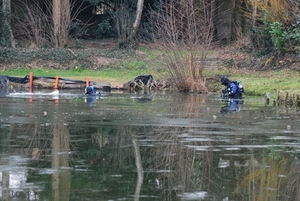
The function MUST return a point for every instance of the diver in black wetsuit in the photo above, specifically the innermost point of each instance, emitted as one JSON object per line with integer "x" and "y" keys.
{"x": 233, "y": 89}
{"x": 3, "y": 81}
{"x": 90, "y": 90}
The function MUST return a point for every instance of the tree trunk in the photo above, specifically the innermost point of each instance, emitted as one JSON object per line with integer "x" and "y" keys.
{"x": 6, "y": 34}
{"x": 138, "y": 17}
{"x": 61, "y": 22}
{"x": 65, "y": 21}
{"x": 56, "y": 21}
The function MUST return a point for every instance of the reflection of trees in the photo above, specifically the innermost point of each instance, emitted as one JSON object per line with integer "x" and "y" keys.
{"x": 120, "y": 156}
{"x": 270, "y": 180}
{"x": 175, "y": 165}
{"x": 5, "y": 185}
{"x": 61, "y": 178}
{"x": 139, "y": 168}
{"x": 291, "y": 186}
{"x": 166, "y": 161}
{"x": 116, "y": 150}
{"x": 4, "y": 147}
{"x": 260, "y": 183}
{"x": 39, "y": 141}
{"x": 183, "y": 168}
{"x": 124, "y": 135}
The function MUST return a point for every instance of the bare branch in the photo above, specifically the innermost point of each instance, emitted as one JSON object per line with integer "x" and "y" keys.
{"x": 184, "y": 30}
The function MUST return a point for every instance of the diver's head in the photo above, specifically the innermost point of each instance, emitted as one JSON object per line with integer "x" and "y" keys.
{"x": 89, "y": 90}
{"x": 224, "y": 80}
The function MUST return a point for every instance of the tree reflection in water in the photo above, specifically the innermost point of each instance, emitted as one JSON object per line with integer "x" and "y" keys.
{"x": 272, "y": 179}
{"x": 33, "y": 141}
{"x": 186, "y": 150}
{"x": 61, "y": 178}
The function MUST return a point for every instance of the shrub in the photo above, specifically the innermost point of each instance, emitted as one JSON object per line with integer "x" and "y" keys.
{"x": 278, "y": 36}
{"x": 104, "y": 30}
{"x": 261, "y": 40}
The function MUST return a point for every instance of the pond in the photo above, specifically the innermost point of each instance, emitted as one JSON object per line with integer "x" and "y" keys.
{"x": 160, "y": 146}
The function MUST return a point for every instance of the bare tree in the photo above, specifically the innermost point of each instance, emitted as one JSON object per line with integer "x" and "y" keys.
{"x": 46, "y": 22}
{"x": 61, "y": 21}
{"x": 184, "y": 30}
{"x": 31, "y": 23}
{"x": 127, "y": 24}
{"x": 5, "y": 17}
{"x": 124, "y": 19}
{"x": 138, "y": 17}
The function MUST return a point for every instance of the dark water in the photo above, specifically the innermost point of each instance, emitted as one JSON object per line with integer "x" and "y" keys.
{"x": 147, "y": 147}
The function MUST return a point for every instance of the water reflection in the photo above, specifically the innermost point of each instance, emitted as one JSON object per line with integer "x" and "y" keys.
{"x": 231, "y": 105}
{"x": 165, "y": 147}
{"x": 91, "y": 100}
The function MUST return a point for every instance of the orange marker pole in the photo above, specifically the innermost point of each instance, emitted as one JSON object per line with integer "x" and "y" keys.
{"x": 30, "y": 81}
{"x": 87, "y": 83}
{"x": 56, "y": 87}
{"x": 30, "y": 85}
{"x": 56, "y": 82}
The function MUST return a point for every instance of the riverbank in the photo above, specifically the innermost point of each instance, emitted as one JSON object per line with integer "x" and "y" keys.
{"x": 105, "y": 62}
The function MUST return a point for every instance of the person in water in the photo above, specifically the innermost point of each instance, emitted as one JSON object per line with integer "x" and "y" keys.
{"x": 90, "y": 90}
{"x": 233, "y": 89}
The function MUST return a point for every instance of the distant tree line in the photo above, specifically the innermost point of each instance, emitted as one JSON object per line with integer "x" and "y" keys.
{"x": 269, "y": 25}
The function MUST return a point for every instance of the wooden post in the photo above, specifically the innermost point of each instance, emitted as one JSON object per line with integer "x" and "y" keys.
{"x": 286, "y": 96}
{"x": 30, "y": 85}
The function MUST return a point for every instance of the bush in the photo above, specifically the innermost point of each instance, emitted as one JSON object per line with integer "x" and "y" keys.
{"x": 261, "y": 40}
{"x": 278, "y": 36}
{"x": 104, "y": 30}
{"x": 270, "y": 36}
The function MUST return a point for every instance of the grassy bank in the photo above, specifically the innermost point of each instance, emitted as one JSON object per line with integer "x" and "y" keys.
{"x": 255, "y": 83}
{"x": 126, "y": 66}
{"x": 115, "y": 77}
{"x": 259, "y": 83}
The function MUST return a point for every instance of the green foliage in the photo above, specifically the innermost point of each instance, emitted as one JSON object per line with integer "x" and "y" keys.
{"x": 78, "y": 44}
{"x": 131, "y": 65}
{"x": 62, "y": 56}
{"x": 105, "y": 30}
{"x": 261, "y": 40}
{"x": 294, "y": 34}
{"x": 278, "y": 35}
{"x": 23, "y": 55}
{"x": 134, "y": 64}
{"x": 99, "y": 2}
{"x": 274, "y": 152}
{"x": 93, "y": 2}
{"x": 77, "y": 69}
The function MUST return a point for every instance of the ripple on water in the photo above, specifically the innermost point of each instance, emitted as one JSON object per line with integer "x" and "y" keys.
{"x": 193, "y": 195}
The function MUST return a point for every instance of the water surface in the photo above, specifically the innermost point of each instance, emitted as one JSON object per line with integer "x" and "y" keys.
{"x": 161, "y": 146}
